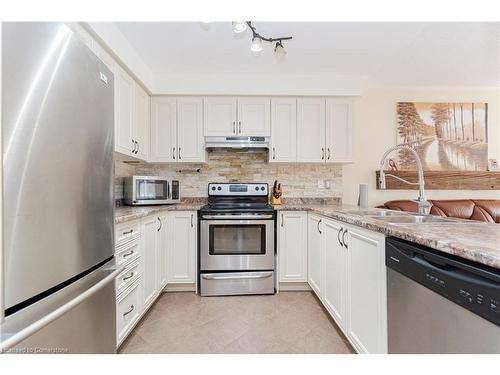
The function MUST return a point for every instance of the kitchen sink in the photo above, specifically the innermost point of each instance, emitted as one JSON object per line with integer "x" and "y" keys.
{"x": 374, "y": 213}
{"x": 411, "y": 219}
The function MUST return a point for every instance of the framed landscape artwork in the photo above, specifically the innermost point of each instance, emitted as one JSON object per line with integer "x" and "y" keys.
{"x": 446, "y": 136}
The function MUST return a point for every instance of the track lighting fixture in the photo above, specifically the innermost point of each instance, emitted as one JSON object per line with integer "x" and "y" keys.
{"x": 257, "y": 39}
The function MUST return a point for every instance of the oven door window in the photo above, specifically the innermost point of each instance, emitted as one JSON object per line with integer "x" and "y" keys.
{"x": 237, "y": 239}
{"x": 151, "y": 189}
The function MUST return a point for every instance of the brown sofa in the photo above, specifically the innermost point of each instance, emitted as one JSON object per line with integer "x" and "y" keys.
{"x": 487, "y": 210}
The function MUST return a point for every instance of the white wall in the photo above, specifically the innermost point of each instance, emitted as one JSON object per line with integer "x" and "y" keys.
{"x": 375, "y": 131}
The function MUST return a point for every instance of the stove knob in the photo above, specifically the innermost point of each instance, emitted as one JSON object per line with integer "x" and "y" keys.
{"x": 219, "y": 188}
{"x": 262, "y": 188}
{"x": 256, "y": 188}
{"x": 213, "y": 187}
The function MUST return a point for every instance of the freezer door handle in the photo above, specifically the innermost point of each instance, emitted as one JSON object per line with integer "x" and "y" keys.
{"x": 57, "y": 313}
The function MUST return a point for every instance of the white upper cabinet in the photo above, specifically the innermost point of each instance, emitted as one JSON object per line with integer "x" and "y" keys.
{"x": 220, "y": 116}
{"x": 338, "y": 130}
{"x": 283, "y": 147}
{"x": 254, "y": 116}
{"x": 163, "y": 129}
{"x": 292, "y": 246}
{"x": 141, "y": 124}
{"x": 311, "y": 130}
{"x": 124, "y": 112}
{"x": 190, "y": 142}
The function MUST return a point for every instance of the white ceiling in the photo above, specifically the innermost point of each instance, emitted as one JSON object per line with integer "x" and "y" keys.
{"x": 395, "y": 54}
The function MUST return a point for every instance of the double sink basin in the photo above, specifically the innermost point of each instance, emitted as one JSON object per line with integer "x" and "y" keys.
{"x": 396, "y": 217}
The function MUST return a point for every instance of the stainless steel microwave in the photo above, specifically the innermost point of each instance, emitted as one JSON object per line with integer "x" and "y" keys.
{"x": 149, "y": 190}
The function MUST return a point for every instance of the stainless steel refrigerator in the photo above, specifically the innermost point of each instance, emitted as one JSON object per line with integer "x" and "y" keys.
{"x": 58, "y": 292}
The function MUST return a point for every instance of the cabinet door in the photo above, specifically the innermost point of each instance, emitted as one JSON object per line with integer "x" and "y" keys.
{"x": 311, "y": 130}
{"x": 124, "y": 112}
{"x": 190, "y": 140}
{"x": 149, "y": 259}
{"x": 181, "y": 264}
{"x": 254, "y": 116}
{"x": 366, "y": 291}
{"x": 283, "y": 130}
{"x": 162, "y": 251}
{"x": 335, "y": 264}
{"x": 219, "y": 116}
{"x": 163, "y": 129}
{"x": 314, "y": 253}
{"x": 338, "y": 130}
{"x": 141, "y": 124}
{"x": 292, "y": 247}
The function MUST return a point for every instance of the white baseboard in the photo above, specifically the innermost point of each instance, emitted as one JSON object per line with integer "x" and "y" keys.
{"x": 191, "y": 287}
{"x": 295, "y": 287}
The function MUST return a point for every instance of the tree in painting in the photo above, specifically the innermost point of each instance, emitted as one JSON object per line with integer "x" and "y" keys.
{"x": 447, "y": 136}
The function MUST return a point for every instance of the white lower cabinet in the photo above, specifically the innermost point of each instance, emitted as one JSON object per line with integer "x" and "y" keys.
{"x": 347, "y": 273}
{"x": 334, "y": 272}
{"x": 292, "y": 246}
{"x": 181, "y": 258}
{"x": 366, "y": 290}
{"x": 314, "y": 253}
{"x": 145, "y": 247}
{"x": 149, "y": 229}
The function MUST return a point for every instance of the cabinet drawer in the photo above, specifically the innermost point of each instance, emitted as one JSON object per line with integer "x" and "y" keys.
{"x": 127, "y": 311}
{"x": 127, "y": 277}
{"x": 125, "y": 232}
{"x": 127, "y": 253}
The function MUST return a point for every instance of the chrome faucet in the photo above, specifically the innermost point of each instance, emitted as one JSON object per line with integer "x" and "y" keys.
{"x": 423, "y": 205}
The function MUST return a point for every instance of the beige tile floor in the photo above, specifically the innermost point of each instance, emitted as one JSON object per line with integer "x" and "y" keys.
{"x": 289, "y": 322}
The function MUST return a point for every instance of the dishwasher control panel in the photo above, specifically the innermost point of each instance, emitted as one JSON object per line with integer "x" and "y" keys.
{"x": 468, "y": 284}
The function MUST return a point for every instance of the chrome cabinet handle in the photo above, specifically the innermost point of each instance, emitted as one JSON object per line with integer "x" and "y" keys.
{"x": 239, "y": 123}
{"x": 136, "y": 150}
{"x": 128, "y": 254}
{"x": 159, "y": 222}
{"x": 192, "y": 221}
{"x": 179, "y": 153}
{"x": 329, "y": 153}
{"x": 234, "y": 127}
{"x": 260, "y": 275}
{"x": 343, "y": 239}
{"x": 128, "y": 312}
{"x": 128, "y": 277}
{"x": 338, "y": 237}
{"x": 133, "y": 146}
{"x": 281, "y": 220}
{"x": 274, "y": 153}
{"x": 322, "y": 153}
{"x": 173, "y": 153}
{"x": 319, "y": 230}
{"x": 128, "y": 232}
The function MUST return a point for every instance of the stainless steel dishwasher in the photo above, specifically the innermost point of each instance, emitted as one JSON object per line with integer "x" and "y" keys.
{"x": 439, "y": 303}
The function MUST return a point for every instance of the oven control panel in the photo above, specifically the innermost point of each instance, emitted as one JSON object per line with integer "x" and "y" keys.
{"x": 215, "y": 189}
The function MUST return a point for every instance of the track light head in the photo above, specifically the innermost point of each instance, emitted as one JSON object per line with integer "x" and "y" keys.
{"x": 256, "y": 45}
{"x": 279, "y": 52}
{"x": 239, "y": 26}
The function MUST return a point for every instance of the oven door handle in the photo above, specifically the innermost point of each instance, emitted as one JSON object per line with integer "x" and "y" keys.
{"x": 260, "y": 275}
{"x": 237, "y": 217}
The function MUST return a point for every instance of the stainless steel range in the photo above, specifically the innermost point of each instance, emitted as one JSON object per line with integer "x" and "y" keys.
{"x": 237, "y": 247}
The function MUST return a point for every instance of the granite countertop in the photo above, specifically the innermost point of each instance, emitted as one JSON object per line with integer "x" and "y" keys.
{"x": 126, "y": 213}
{"x": 468, "y": 239}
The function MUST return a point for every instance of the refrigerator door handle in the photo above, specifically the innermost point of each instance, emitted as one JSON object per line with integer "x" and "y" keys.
{"x": 57, "y": 313}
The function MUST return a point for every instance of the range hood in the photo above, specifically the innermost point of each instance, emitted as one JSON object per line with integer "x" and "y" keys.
{"x": 237, "y": 142}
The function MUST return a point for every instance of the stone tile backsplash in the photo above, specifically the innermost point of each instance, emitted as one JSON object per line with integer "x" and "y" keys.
{"x": 297, "y": 180}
